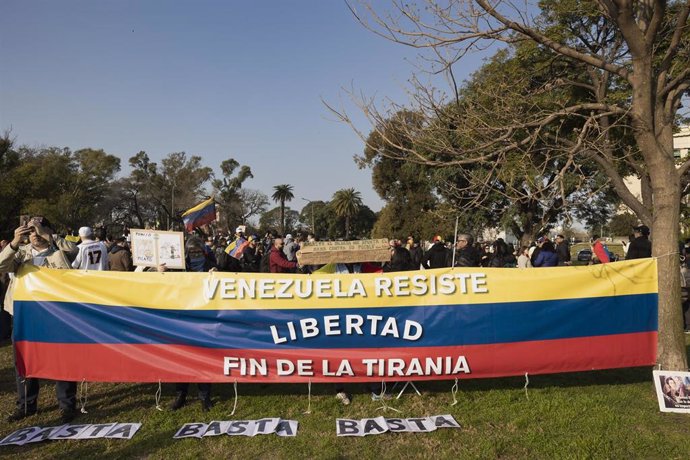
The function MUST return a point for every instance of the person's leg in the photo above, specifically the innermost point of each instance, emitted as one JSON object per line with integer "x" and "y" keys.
{"x": 181, "y": 390}
{"x": 67, "y": 400}
{"x": 205, "y": 395}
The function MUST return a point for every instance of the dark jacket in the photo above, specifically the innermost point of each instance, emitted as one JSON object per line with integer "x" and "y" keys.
{"x": 120, "y": 259}
{"x": 467, "y": 257}
{"x": 400, "y": 261}
{"x": 251, "y": 259}
{"x": 546, "y": 259}
{"x": 436, "y": 256}
{"x": 279, "y": 262}
{"x": 416, "y": 254}
{"x": 639, "y": 248}
{"x": 563, "y": 252}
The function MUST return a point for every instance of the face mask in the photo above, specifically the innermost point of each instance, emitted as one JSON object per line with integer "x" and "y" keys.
{"x": 196, "y": 264}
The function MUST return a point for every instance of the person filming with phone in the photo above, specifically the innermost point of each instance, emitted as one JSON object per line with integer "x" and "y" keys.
{"x": 34, "y": 244}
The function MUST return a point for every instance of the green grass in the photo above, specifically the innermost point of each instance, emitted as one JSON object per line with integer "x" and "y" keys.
{"x": 602, "y": 414}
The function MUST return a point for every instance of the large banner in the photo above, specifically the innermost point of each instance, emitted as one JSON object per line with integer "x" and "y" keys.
{"x": 419, "y": 325}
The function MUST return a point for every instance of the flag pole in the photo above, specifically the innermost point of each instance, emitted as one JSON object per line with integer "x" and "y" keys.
{"x": 455, "y": 239}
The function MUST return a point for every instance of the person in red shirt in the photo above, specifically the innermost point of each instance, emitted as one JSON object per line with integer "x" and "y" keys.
{"x": 278, "y": 261}
{"x": 599, "y": 251}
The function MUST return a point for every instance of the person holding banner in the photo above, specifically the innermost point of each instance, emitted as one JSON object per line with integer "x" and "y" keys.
{"x": 42, "y": 250}
{"x": 197, "y": 260}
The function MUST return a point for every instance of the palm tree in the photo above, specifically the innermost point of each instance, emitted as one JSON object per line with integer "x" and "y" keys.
{"x": 346, "y": 203}
{"x": 282, "y": 194}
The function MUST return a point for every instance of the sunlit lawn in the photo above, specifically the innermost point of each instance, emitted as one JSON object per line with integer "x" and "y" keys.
{"x": 604, "y": 414}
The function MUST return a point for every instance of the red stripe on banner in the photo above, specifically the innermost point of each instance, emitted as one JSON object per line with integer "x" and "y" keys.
{"x": 180, "y": 363}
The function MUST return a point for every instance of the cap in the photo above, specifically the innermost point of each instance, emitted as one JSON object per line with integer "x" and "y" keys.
{"x": 85, "y": 232}
{"x": 543, "y": 239}
{"x": 288, "y": 236}
{"x": 560, "y": 236}
{"x": 239, "y": 230}
{"x": 437, "y": 238}
{"x": 642, "y": 229}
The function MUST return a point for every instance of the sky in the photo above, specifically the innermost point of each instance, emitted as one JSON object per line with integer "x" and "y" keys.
{"x": 218, "y": 79}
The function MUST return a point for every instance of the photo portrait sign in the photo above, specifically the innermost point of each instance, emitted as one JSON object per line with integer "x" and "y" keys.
{"x": 151, "y": 248}
{"x": 673, "y": 391}
{"x": 269, "y": 327}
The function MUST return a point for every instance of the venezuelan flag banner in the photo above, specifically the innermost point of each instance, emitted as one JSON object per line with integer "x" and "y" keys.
{"x": 419, "y": 325}
{"x": 201, "y": 214}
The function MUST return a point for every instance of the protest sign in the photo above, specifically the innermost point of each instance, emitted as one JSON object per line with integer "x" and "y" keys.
{"x": 326, "y": 252}
{"x": 83, "y": 431}
{"x": 673, "y": 391}
{"x": 151, "y": 248}
{"x": 380, "y": 425}
{"x": 419, "y": 325}
{"x": 249, "y": 428}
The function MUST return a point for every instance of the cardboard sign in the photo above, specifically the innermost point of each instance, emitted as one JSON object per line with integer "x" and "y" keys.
{"x": 84, "y": 431}
{"x": 249, "y": 428}
{"x": 151, "y": 248}
{"x": 380, "y": 425}
{"x": 673, "y": 391}
{"x": 326, "y": 252}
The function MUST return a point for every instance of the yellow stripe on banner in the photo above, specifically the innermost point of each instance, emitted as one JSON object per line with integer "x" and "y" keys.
{"x": 219, "y": 291}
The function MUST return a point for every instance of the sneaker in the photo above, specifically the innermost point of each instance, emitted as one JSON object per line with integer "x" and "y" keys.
{"x": 378, "y": 397}
{"x": 206, "y": 404}
{"x": 19, "y": 414}
{"x": 67, "y": 415}
{"x": 343, "y": 398}
{"x": 180, "y": 401}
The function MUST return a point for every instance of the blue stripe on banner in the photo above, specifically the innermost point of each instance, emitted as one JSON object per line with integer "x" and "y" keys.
{"x": 442, "y": 325}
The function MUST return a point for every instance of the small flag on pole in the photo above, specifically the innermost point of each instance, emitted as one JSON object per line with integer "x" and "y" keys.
{"x": 201, "y": 214}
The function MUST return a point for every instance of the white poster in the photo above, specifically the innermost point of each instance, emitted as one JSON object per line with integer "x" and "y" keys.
{"x": 673, "y": 391}
{"x": 380, "y": 425}
{"x": 151, "y": 248}
{"x": 250, "y": 428}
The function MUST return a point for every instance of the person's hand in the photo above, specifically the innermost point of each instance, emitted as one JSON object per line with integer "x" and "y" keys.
{"x": 20, "y": 235}
{"x": 42, "y": 231}
{"x": 213, "y": 269}
{"x": 162, "y": 268}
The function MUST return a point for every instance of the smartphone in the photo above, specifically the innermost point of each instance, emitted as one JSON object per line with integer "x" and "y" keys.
{"x": 24, "y": 220}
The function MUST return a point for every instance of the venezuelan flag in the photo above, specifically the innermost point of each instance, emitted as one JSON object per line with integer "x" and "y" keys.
{"x": 184, "y": 327}
{"x": 201, "y": 214}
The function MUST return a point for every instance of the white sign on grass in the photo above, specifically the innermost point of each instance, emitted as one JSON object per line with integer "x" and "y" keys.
{"x": 673, "y": 391}
{"x": 380, "y": 425}
{"x": 103, "y": 430}
{"x": 276, "y": 426}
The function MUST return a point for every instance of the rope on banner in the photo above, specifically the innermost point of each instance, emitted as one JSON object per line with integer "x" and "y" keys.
{"x": 667, "y": 255}
{"x": 234, "y": 407}
{"x": 385, "y": 406}
{"x": 83, "y": 395}
{"x": 158, "y": 396}
{"x": 526, "y": 383}
{"x": 454, "y": 391}
{"x": 308, "y": 411}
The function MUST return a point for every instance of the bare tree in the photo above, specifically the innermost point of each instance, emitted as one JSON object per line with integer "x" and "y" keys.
{"x": 629, "y": 62}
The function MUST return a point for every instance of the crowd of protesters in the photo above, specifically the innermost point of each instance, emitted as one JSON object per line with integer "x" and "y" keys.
{"x": 36, "y": 243}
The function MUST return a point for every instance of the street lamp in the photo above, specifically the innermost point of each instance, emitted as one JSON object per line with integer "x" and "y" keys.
{"x": 311, "y": 203}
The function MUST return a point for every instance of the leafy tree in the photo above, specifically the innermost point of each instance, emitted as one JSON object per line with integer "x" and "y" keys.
{"x": 629, "y": 62}
{"x": 622, "y": 224}
{"x": 281, "y": 194}
{"x": 320, "y": 213}
{"x": 346, "y": 203}
{"x": 229, "y": 193}
{"x": 278, "y": 217}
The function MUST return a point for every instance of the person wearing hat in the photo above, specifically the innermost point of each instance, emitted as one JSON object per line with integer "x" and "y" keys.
{"x": 640, "y": 247}
{"x": 42, "y": 250}
{"x": 93, "y": 255}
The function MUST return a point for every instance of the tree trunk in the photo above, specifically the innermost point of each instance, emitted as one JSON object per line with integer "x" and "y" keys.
{"x": 672, "y": 354}
{"x": 282, "y": 218}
